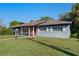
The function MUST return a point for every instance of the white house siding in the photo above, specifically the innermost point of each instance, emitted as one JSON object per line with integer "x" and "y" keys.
{"x": 57, "y": 34}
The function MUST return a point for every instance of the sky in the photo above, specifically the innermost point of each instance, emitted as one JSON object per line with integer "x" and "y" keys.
{"x": 25, "y": 12}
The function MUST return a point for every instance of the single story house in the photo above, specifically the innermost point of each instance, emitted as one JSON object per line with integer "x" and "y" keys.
{"x": 45, "y": 28}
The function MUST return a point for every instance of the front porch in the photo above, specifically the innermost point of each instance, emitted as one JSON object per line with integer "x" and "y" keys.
{"x": 26, "y": 31}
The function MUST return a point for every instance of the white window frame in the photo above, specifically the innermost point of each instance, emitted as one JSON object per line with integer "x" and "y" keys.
{"x": 57, "y": 28}
{"x": 42, "y": 29}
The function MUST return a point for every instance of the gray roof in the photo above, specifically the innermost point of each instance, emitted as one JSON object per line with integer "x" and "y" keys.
{"x": 44, "y": 22}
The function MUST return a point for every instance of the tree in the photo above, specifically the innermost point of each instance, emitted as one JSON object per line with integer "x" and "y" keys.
{"x": 0, "y": 26}
{"x": 0, "y": 29}
{"x": 75, "y": 7}
{"x": 31, "y": 20}
{"x": 67, "y": 17}
{"x": 5, "y": 31}
{"x": 46, "y": 18}
{"x": 74, "y": 17}
{"x": 43, "y": 18}
{"x": 1, "y": 22}
{"x": 14, "y": 23}
{"x": 75, "y": 10}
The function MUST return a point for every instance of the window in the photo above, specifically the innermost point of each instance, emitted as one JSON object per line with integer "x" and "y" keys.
{"x": 42, "y": 28}
{"x": 54, "y": 28}
{"x": 57, "y": 28}
{"x": 25, "y": 31}
{"x": 49, "y": 28}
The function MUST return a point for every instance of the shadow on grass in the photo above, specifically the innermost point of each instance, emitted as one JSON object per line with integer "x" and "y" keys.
{"x": 55, "y": 47}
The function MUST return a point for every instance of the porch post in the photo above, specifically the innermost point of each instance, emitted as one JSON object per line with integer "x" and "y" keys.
{"x": 21, "y": 31}
{"x": 15, "y": 31}
{"x": 29, "y": 31}
{"x": 33, "y": 30}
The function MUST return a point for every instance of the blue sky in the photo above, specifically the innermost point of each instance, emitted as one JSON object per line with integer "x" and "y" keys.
{"x": 25, "y": 12}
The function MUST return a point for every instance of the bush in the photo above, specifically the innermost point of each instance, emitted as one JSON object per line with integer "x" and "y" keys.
{"x": 74, "y": 35}
{"x": 5, "y": 31}
{"x": 78, "y": 35}
{"x": 74, "y": 30}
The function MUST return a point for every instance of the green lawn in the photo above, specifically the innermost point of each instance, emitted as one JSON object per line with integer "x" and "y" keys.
{"x": 70, "y": 45}
{"x": 38, "y": 46}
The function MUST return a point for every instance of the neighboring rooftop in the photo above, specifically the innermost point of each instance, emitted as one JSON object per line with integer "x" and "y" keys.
{"x": 44, "y": 22}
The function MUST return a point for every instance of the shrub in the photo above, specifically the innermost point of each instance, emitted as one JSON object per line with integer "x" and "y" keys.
{"x": 78, "y": 35}
{"x": 5, "y": 31}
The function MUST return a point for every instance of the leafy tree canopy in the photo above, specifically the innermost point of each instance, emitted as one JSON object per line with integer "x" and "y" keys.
{"x": 1, "y": 22}
{"x": 14, "y": 23}
{"x": 43, "y": 18}
{"x": 73, "y": 16}
{"x": 46, "y": 18}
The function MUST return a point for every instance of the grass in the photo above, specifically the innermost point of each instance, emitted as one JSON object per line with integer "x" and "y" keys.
{"x": 38, "y": 46}
{"x": 71, "y": 44}
{"x": 6, "y": 36}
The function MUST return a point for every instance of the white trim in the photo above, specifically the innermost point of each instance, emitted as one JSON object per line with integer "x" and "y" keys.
{"x": 47, "y": 29}
{"x": 38, "y": 29}
{"x": 33, "y": 30}
{"x": 15, "y": 31}
{"x": 21, "y": 31}
{"x": 29, "y": 31}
